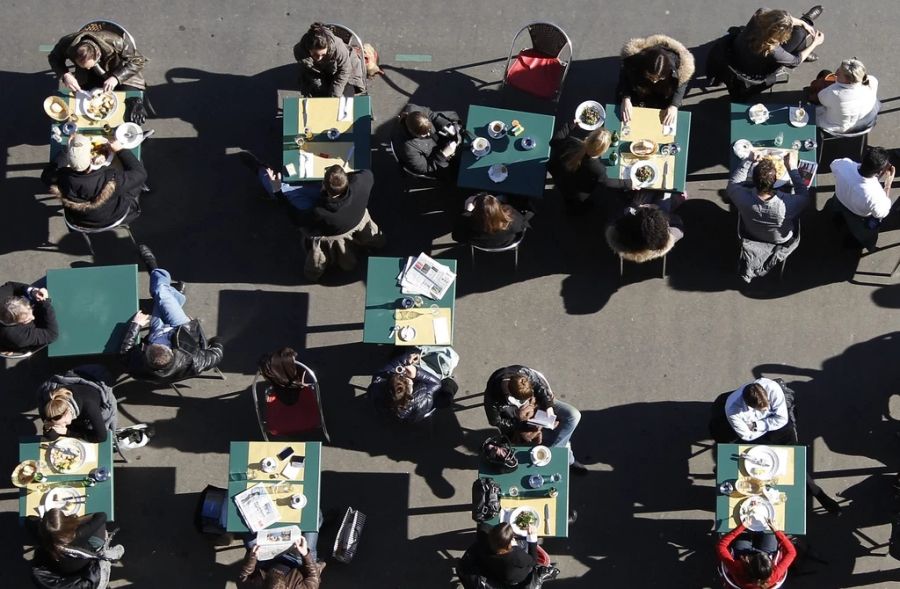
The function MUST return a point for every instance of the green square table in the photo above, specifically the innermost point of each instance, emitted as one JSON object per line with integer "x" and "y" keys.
{"x": 559, "y": 464}
{"x": 763, "y": 135}
{"x": 727, "y": 469}
{"x": 89, "y": 127}
{"x": 383, "y": 295}
{"x": 682, "y": 138}
{"x": 93, "y": 307}
{"x": 243, "y": 469}
{"x": 100, "y": 497}
{"x": 321, "y": 116}
{"x": 527, "y": 168}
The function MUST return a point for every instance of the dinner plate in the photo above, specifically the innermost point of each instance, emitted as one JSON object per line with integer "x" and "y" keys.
{"x": 758, "y": 113}
{"x": 66, "y": 499}
{"x": 635, "y": 183}
{"x": 84, "y": 98}
{"x": 584, "y": 106}
{"x": 792, "y": 118}
{"x": 523, "y": 509}
{"x": 754, "y": 511}
{"x": 498, "y": 172}
{"x": 768, "y": 463}
{"x": 66, "y": 455}
{"x": 24, "y": 473}
{"x": 129, "y": 135}
{"x": 97, "y": 140}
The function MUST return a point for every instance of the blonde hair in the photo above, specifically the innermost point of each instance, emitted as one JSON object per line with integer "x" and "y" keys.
{"x": 60, "y": 402}
{"x": 768, "y": 30}
{"x": 853, "y": 69}
{"x": 593, "y": 145}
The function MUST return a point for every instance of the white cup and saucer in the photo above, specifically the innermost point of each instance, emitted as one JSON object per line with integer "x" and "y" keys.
{"x": 268, "y": 464}
{"x": 497, "y": 129}
{"x": 298, "y": 501}
{"x": 481, "y": 147}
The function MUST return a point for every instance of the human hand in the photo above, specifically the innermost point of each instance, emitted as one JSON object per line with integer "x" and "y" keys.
{"x": 302, "y": 546}
{"x": 116, "y": 146}
{"x": 626, "y": 109}
{"x": 255, "y": 549}
{"x": 889, "y": 172}
{"x": 531, "y": 530}
{"x": 409, "y": 371}
{"x": 668, "y": 116}
{"x": 450, "y": 149}
{"x": 70, "y": 82}
{"x": 820, "y": 38}
{"x": 790, "y": 160}
{"x": 141, "y": 319}
{"x": 414, "y": 358}
{"x": 526, "y": 411}
{"x": 40, "y": 294}
{"x": 110, "y": 84}
{"x": 770, "y": 524}
{"x": 274, "y": 178}
{"x": 60, "y": 429}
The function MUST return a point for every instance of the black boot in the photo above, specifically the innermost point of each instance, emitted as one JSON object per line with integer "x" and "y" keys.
{"x": 812, "y": 14}
{"x": 148, "y": 258}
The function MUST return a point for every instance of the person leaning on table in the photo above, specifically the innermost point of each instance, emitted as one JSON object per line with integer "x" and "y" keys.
{"x": 78, "y": 404}
{"x": 756, "y": 560}
{"x": 655, "y": 74}
{"x": 427, "y": 142}
{"x": 277, "y": 574}
{"x": 576, "y": 166}
{"x": 774, "y": 39}
{"x": 27, "y": 319}
{"x": 102, "y": 59}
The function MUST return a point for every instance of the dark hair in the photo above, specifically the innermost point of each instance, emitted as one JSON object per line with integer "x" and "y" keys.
{"x": 85, "y": 51}
{"x": 654, "y": 64}
{"x": 401, "y": 387}
{"x": 874, "y": 161}
{"x": 159, "y": 356}
{"x": 417, "y": 123}
{"x": 317, "y": 37}
{"x": 275, "y": 579}
{"x": 280, "y": 370}
{"x": 755, "y": 396}
{"x": 759, "y": 567}
{"x": 57, "y": 530}
{"x": 490, "y": 215}
{"x": 499, "y": 537}
{"x": 336, "y": 181}
{"x": 645, "y": 228}
{"x": 764, "y": 176}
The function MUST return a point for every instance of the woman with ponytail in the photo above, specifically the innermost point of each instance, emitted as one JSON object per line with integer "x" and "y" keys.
{"x": 78, "y": 404}
{"x": 576, "y": 166}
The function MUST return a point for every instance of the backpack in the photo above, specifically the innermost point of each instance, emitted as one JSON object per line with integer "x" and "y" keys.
{"x": 497, "y": 452}
{"x": 485, "y": 499}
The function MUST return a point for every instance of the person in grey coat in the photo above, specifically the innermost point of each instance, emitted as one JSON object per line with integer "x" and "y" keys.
{"x": 328, "y": 67}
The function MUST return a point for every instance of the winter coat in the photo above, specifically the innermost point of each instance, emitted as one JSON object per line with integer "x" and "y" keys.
{"x": 97, "y": 407}
{"x": 500, "y": 412}
{"x": 193, "y": 354}
{"x": 118, "y": 58}
{"x": 329, "y": 77}
{"x": 21, "y": 337}
{"x": 423, "y": 155}
{"x": 667, "y": 93}
{"x": 306, "y": 577}
{"x": 425, "y": 386}
{"x": 639, "y": 256}
{"x": 583, "y": 181}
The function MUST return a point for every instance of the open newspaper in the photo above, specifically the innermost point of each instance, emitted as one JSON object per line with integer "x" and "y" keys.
{"x": 424, "y": 276}
{"x": 256, "y": 507}
{"x": 275, "y": 541}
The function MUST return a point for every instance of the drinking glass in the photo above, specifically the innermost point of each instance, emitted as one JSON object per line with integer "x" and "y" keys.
{"x": 809, "y": 144}
{"x": 779, "y": 140}
{"x": 797, "y": 144}
{"x": 513, "y": 491}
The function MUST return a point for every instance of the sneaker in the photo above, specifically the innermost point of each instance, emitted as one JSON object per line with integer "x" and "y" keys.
{"x": 811, "y": 57}
{"x": 147, "y": 257}
{"x": 114, "y": 552}
{"x": 578, "y": 468}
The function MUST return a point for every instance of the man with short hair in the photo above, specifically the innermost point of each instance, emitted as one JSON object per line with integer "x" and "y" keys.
{"x": 101, "y": 58}
{"x": 851, "y": 103}
{"x": 859, "y": 198}
{"x": 27, "y": 319}
{"x": 759, "y": 411}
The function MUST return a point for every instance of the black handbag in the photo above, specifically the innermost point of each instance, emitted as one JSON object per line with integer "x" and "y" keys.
{"x": 498, "y": 452}
{"x": 485, "y": 499}
{"x": 47, "y": 578}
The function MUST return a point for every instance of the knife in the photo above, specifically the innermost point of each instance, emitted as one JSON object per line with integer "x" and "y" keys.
{"x": 547, "y": 518}
{"x": 303, "y": 104}
{"x": 665, "y": 172}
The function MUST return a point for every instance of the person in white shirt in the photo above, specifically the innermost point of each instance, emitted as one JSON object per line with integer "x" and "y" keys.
{"x": 851, "y": 103}
{"x": 759, "y": 411}
{"x": 859, "y": 197}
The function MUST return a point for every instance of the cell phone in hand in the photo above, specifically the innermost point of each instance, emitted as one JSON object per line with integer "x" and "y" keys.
{"x": 285, "y": 453}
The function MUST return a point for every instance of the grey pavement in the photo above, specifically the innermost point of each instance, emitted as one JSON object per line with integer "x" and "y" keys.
{"x": 641, "y": 357}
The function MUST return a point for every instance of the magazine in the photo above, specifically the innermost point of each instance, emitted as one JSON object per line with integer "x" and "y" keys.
{"x": 424, "y": 276}
{"x": 275, "y": 541}
{"x": 807, "y": 171}
{"x": 256, "y": 507}
{"x": 543, "y": 419}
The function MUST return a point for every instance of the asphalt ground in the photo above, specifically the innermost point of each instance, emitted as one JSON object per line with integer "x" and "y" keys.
{"x": 642, "y": 357}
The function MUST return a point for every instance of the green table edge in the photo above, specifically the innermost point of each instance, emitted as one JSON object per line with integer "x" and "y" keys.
{"x": 56, "y": 148}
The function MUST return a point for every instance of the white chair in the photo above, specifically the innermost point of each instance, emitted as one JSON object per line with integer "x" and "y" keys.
{"x": 513, "y": 247}
{"x": 15, "y": 355}
{"x": 87, "y": 231}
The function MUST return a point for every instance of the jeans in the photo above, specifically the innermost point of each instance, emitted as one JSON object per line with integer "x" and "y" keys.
{"x": 302, "y": 197}
{"x": 568, "y": 417}
{"x": 167, "y": 308}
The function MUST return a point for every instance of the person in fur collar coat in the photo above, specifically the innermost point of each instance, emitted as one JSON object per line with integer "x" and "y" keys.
{"x": 655, "y": 74}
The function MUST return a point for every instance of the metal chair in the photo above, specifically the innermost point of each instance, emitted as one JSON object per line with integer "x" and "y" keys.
{"x": 87, "y": 231}
{"x": 622, "y": 265}
{"x": 551, "y": 54}
{"x": 513, "y": 247}
{"x": 728, "y": 583}
{"x": 796, "y": 237}
{"x": 742, "y": 85}
{"x": 305, "y": 414}
{"x": 612, "y": 241}
{"x": 825, "y": 137}
{"x": 16, "y": 355}
{"x": 112, "y": 26}
{"x": 406, "y": 175}
{"x": 354, "y": 42}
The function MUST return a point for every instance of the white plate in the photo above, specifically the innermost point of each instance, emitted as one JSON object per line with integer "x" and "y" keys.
{"x": 481, "y": 152}
{"x": 515, "y": 514}
{"x": 129, "y": 135}
{"x": 754, "y": 511}
{"x": 582, "y": 107}
{"x": 65, "y": 498}
{"x": 498, "y": 172}
{"x": 491, "y": 131}
{"x": 85, "y": 97}
{"x": 758, "y": 114}
{"x": 407, "y": 333}
{"x": 742, "y": 148}
{"x": 544, "y": 462}
{"x": 56, "y": 454}
{"x": 633, "y": 173}
{"x": 109, "y": 156}
{"x": 769, "y": 459}
{"x": 793, "y": 120}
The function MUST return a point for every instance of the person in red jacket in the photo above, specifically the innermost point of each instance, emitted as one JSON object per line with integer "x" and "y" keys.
{"x": 756, "y": 560}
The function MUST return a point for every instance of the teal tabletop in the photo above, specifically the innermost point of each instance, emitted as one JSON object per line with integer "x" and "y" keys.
{"x": 559, "y": 464}
{"x": 93, "y": 307}
{"x": 94, "y": 128}
{"x": 682, "y": 138}
{"x": 322, "y": 116}
{"x": 527, "y": 168}
{"x": 100, "y": 496}
{"x": 243, "y": 469}
{"x": 763, "y": 135}
{"x": 792, "y": 486}
{"x": 383, "y": 296}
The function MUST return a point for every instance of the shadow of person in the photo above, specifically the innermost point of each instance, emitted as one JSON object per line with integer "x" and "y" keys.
{"x": 26, "y": 224}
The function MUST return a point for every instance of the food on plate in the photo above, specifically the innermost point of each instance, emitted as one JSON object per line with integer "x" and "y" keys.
{"x": 591, "y": 115}
{"x": 55, "y": 107}
{"x": 525, "y": 519}
{"x": 643, "y": 147}
{"x": 799, "y": 114}
{"x": 778, "y": 162}
{"x": 100, "y": 151}
{"x": 63, "y": 459}
{"x": 101, "y": 104}
{"x": 643, "y": 174}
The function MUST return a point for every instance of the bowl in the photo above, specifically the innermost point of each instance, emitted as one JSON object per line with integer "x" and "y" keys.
{"x": 601, "y": 115}
{"x": 407, "y": 333}
{"x": 56, "y": 108}
{"x": 498, "y": 173}
{"x": 742, "y": 148}
{"x": 758, "y": 113}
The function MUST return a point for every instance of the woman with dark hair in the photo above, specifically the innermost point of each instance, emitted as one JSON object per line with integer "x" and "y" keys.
{"x": 575, "y": 164}
{"x": 328, "y": 67}
{"x": 407, "y": 390}
{"x": 501, "y": 558}
{"x": 70, "y": 543}
{"x": 774, "y": 38}
{"x": 655, "y": 73}
{"x": 488, "y": 222}
{"x": 756, "y": 560}
{"x": 427, "y": 141}
{"x": 647, "y": 230}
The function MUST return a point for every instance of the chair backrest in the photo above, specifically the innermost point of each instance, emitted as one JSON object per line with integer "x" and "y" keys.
{"x": 108, "y": 25}
{"x": 345, "y": 34}
{"x": 10, "y": 355}
{"x": 550, "y": 39}
{"x": 74, "y": 227}
{"x": 259, "y": 391}
{"x": 728, "y": 583}
{"x": 505, "y": 248}
{"x": 740, "y": 230}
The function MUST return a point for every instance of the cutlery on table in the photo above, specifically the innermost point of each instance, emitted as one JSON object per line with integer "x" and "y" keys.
{"x": 753, "y": 460}
{"x": 303, "y": 104}
{"x": 664, "y": 173}
{"x": 547, "y": 519}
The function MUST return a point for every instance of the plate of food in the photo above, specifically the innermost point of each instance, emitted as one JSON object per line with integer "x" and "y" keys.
{"x": 798, "y": 116}
{"x": 754, "y": 511}
{"x": 643, "y": 174}
{"x": 101, "y": 154}
{"x": 66, "y": 499}
{"x": 522, "y": 517}
{"x": 758, "y": 113}
{"x": 66, "y": 455}
{"x": 98, "y": 105}
{"x": 590, "y": 115}
{"x": 643, "y": 148}
{"x": 761, "y": 462}
{"x": 498, "y": 173}
{"x": 776, "y": 156}
{"x": 24, "y": 473}
{"x": 56, "y": 108}
{"x": 481, "y": 147}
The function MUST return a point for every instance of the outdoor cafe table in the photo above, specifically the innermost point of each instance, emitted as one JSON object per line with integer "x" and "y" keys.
{"x": 100, "y": 497}
{"x": 383, "y": 296}
{"x": 536, "y": 498}
{"x": 763, "y": 135}
{"x": 319, "y": 115}
{"x": 93, "y": 307}
{"x": 88, "y": 126}
{"x": 790, "y": 514}
{"x": 244, "y": 471}
{"x": 645, "y": 124}
{"x": 527, "y": 168}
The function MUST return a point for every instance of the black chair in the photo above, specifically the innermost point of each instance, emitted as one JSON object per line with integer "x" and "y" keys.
{"x": 740, "y": 85}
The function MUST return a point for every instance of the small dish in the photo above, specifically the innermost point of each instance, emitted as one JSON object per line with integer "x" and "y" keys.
{"x": 332, "y": 134}
{"x": 497, "y": 129}
{"x": 268, "y": 465}
{"x": 298, "y": 501}
{"x": 498, "y": 173}
{"x": 742, "y": 148}
{"x": 56, "y": 108}
{"x": 407, "y": 333}
{"x": 758, "y": 113}
{"x": 130, "y": 135}
{"x": 798, "y": 116}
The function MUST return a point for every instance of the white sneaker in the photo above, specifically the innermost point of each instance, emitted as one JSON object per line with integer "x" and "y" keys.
{"x": 114, "y": 552}
{"x": 136, "y": 440}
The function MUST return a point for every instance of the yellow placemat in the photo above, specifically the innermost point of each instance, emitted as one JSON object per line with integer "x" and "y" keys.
{"x": 537, "y": 504}
{"x": 116, "y": 119}
{"x": 35, "y": 498}
{"x": 322, "y": 114}
{"x": 256, "y": 451}
{"x": 645, "y": 125}
{"x": 327, "y": 154}
{"x": 660, "y": 160}
{"x": 735, "y": 500}
{"x": 91, "y": 460}
{"x": 281, "y": 496}
{"x": 785, "y": 474}
{"x": 422, "y": 320}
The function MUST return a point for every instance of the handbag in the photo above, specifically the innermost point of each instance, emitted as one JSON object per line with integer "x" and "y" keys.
{"x": 498, "y": 453}
{"x": 485, "y": 499}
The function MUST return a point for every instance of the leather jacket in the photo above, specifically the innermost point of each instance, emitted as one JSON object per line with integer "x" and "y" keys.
{"x": 500, "y": 412}
{"x": 193, "y": 354}
{"x": 425, "y": 387}
{"x": 117, "y": 58}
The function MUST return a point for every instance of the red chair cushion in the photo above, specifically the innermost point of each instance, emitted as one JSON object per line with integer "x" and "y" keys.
{"x": 536, "y": 73}
{"x": 284, "y": 416}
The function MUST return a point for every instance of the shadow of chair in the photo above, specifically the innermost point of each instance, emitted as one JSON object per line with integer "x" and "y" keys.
{"x": 218, "y": 375}
{"x": 513, "y": 247}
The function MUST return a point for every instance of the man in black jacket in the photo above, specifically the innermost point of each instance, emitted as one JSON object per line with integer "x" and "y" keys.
{"x": 427, "y": 142}
{"x": 27, "y": 319}
{"x": 175, "y": 347}
{"x": 101, "y": 58}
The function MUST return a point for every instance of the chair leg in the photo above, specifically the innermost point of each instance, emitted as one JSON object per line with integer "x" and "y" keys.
{"x": 87, "y": 240}
{"x": 472, "y": 255}
{"x": 219, "y": 372}
{"x": 516, "y": 259}
{"x": 176, "y": 389}
{"x": 130, "y": 234}
{"x": 664, "y": 266}
{"x": 783, "y": 265}
{"x": 621, "y": 266}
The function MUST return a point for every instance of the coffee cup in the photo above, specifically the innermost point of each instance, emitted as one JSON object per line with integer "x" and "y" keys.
{"x": 497, "y": 127}
{"x": 480, "y": 144}
{"x": 298, "y": 501}
{"x": 799, "y": 114}
{"x": 540, "y": 454}
{"x": 269, "y": 464}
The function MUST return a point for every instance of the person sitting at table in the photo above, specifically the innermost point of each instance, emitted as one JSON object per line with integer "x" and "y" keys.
{"x": 92, "y": 196}
{"x": 328, "y": 67}
{"x": 176, "y": 347}
{"x": 78, "y": 404}
{"x": 499, "y": 556}
{"x": 427, "y": 142}
{"x": 647, "y": 229}
{"x": 511, "y": 398}
{"x": 860, "y": 199}
{"x": 755, "y": 560}
{"x": 761, "y": 411}
{"x": 773, "y": 39}
{"x": 576, "y": 166}
{"x": 27, "y": 319}
{"x": 489, "y": 222}
{"x": 278, "y": 573}
{"x": 849, "y": 104}
{"x": 101, "y": 58}
{"x": 655, "y": 73}
{"x": 407, "y": 390}
{"x": 69, "y": 544}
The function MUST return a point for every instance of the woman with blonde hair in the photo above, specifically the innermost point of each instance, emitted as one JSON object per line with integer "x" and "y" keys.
{"x": 774, "y": 39}
{"x": 489, "y": 222}
{"x": 78, "y": 404}
{"x": 576, "y": 166}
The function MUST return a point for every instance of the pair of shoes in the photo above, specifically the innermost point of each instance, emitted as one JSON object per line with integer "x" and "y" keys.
{"x": 179, "y": 285}
{"x": 135, "y": 439}
{"x": 578, "y": 468}
{"x": 830, "y": 505}
{"x": 811, "y": 57}
{"x": 812, "y": 14}
{"x": 148, "y": 258}
{"x": 114, "y": 552}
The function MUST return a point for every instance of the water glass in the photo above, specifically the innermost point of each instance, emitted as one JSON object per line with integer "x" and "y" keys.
{"x": 810, "y": 144}
{"x": 779, "y": 140}
{"x": 797, "y": 144}
{"x": 513, "y": 491}
{"x": 726, "y": 488}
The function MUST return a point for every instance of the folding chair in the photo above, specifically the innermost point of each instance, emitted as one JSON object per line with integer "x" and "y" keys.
{"x": 513, "y": 247}
{"x": 741, "y": 85}
{"x": 541, "y": 69}
{"x": 796, "y": 237}
{"x": 289, "y": 412}
{"x": 87, "y": 231}
{"x": 354, "y": 42}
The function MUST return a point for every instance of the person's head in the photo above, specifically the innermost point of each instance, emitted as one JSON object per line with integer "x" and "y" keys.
{"x": 643, "y": 228}
{"x": 57, "y": 530}
{"x": 764, "y": 176}
{"x": 58, "y": 410}
{"x": 521, "y": 387}
{"x": 851, "y": 71}
{"x": 769, "y": 29}
{"x": 280, "y": 369}
{"x": 655, "y": 65}
{"x": 755, "y": 396}
{"x": 86, "y": 55}
{"x": 78, "y": 154}
{"x": 874, "y": 162}
{"x": 489, "y": 214}
{"x": 500, "y": 538}
{"x": 159, "y": 356}
{"x": 594, "y": 145}
{"x": 16, "y": 311}
{"x": 759, "y": 567}
{"x": 418, "y": 124}
{"x": 276, "y": 579}
{"x": 318, "y": 41}
{"x": 335, "y": 182}
{"x": 401, "y": 388}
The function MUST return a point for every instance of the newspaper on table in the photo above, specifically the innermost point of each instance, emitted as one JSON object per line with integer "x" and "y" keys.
{"x": 424, "y": 276}
{"x": 275, "y": 541}
{"x": 256, "y": 507}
